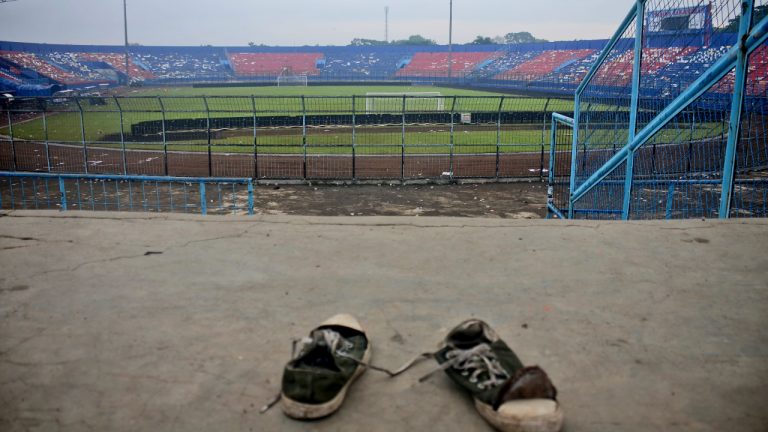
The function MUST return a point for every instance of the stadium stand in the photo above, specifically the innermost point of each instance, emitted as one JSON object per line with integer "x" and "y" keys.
{"x": 504, "y": 61}
{"x": 182, "y": 66}
{"x": 117, "y": 62}
{"x": 7, "y": 76}
{"x": 41, "y": 66}
{"x": 544, "y": 64}
{"x": 619, "y": 71}
{"x": 553, "y": 67}
{"x": 427, "y": 64}
{"x": 273, "y": 64}
{"x": 370, "y": 64}
{"x": 88, "y": 71}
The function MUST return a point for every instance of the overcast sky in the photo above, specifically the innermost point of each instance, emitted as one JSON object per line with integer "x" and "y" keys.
{"x": 300, "y": 22}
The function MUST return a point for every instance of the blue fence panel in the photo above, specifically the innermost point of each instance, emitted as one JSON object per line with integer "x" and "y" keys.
{"x": 126, "y": 193}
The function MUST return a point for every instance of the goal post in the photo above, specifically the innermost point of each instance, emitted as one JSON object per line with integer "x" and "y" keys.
{"x": 289, "y": 79}
{"x": 388, "y": 102}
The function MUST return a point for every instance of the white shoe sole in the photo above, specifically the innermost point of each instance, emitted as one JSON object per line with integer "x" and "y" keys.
{"x": 525, "y": 415}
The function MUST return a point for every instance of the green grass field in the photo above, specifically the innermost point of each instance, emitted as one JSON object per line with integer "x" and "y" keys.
{"x": 102, "y": 123}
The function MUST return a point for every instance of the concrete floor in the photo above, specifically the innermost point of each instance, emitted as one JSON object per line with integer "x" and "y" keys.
{"x": 126, "y": 322}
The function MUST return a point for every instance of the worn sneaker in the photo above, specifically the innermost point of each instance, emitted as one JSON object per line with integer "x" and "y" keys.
{"x": 323, "y": 367}
{"x": 509, "y": 396}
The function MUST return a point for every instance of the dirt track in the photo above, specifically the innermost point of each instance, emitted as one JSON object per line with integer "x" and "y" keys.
{"x": 64, "y": 158}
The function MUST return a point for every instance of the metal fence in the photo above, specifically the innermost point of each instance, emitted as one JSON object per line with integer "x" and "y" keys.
{"x": 307, "y": 138}
{"x": 28, "y": 191}
{"x": 700, "y": 151}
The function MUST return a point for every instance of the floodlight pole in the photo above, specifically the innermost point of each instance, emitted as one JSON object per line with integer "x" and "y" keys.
{"x": 386, "y": 24}
{"x": 125, "y": 28}
{"x": 450, "y": 43}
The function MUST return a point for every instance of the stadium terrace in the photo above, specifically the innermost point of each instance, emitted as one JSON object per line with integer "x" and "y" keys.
{"x": 28, "y": 69}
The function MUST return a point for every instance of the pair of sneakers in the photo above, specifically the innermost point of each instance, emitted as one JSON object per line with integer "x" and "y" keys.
{"x": 508, "y": 395}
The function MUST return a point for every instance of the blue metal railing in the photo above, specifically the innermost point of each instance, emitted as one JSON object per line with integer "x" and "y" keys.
{"x": 557, "y": 193}
{"x": 19, "y": 190}
{"x": 750, "y": 38}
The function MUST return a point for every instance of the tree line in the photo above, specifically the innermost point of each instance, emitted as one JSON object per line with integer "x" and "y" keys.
{"x": 509, "y": 38}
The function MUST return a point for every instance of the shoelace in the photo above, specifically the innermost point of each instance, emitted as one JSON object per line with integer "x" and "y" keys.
{"x": 341, "y": 347}
{"x": 476, "y": 362}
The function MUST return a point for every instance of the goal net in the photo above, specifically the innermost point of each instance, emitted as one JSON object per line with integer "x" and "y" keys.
{"x": 393, "y": 102}
{"x": 290, "y": 79}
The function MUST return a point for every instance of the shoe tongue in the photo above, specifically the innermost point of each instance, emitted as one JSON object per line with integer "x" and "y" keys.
{"x": 469, "y": 336}
{"x": 318, "y": 353}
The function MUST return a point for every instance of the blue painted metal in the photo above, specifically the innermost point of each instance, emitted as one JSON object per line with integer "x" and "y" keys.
{"x": 555, "y": 210}
{"x": 556, "y": 118}
{"x": 105, "y": 202}
{"x": 670, "y": 199}
{"x": 23, "y": 200}
{"x": 117, "y": 194}
{"x": 13, "y": 201}
{"x": 639, "y": 22}
{"x": 603, "y": 55}
{"x": 716, "y": 72}
{"x": 203, "y": 199}
{"x": 563, "y": 119}
{"x": 552, "y": 148}
{"x": 240, "y": 180}
{"x": 63, "y": 193}
{"x": 574, "y": 148}
{"x": 250, "y": 198}
{"x": 79, "y": 195}
{"x": 734, "y": 126}
{"x": 143, "y": 196}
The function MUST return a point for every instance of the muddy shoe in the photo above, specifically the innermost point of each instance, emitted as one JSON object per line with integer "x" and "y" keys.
{"x": 324, "y": 365}
{"x": 509, "y": 396}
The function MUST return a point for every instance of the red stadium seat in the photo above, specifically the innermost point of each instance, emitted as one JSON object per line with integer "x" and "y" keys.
{"x": 273, "y": 64}
{"x": 436, "y": 64}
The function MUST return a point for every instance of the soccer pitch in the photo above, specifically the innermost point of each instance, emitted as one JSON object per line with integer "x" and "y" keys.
{"x": 330, "y": 130}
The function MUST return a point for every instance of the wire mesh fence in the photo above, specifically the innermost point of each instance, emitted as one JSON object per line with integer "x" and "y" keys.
{"x": 310, "y": 138}
{"x": 667, "y": 140}
{"x": 93, "y": 192}
{"x": 559, "y": 171}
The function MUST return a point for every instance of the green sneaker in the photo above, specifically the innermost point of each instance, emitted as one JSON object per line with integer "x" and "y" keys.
{"x": 509, "y": 396}
{"x": 324, "y": 365}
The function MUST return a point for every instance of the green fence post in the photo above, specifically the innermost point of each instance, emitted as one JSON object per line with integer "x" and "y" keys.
{"x": 208, "y": 134}
{"x": 47, "y": 143}
{"x": 165, "y": 140}
{"x": 402, "y": 146}
{"x": 255, "y": 141}
{"x": 304, "y": 135}
{"x": 122, "y": 136}
{"x": 354, "y": 139}
{"x": 543, "y": 138}
{"x": 82, "y": 134}
{"x": 498, "y": 136}
{"x": 13, "y": 144}
{"x": 452, "y": 137}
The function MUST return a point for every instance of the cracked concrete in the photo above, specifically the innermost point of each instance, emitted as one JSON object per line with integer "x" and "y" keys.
{"x": 133, "y": 322}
